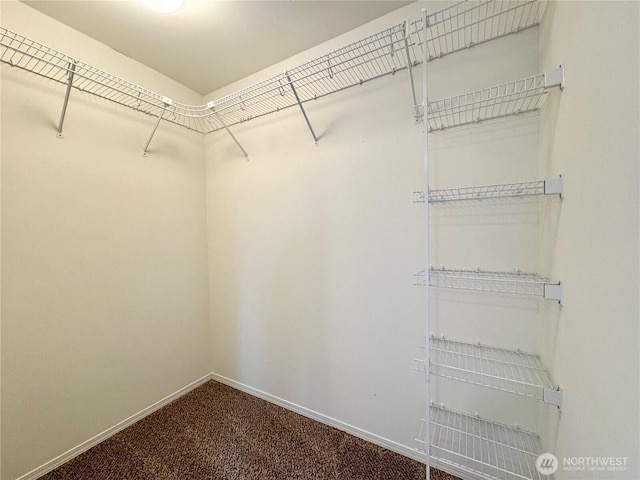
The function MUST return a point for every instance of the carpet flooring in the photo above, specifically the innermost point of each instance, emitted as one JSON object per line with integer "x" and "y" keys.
{"x": 216, "y": 432}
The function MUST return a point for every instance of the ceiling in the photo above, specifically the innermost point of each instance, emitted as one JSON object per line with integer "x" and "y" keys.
{"x": 209, "y": 44}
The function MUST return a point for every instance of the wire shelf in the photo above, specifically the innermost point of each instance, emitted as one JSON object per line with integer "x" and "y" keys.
{"x": 516, "y": 282}
{"x": 24, "y": 53}
{"x": 512, "y": 98}
{"x": 470, "y": 23}
{"x": 502, "y": 369}
{"x": 370, "y": 58}
{"x": 375, "y": 56}
{"x": 483, "y": 192}
{"x": 460, "y": 442}
{"x": 384, "y": 53}
{"x": 507, "y": 370}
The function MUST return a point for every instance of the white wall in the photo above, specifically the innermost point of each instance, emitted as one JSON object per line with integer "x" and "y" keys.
{"x": 590, "y": 134}
{"x": 312, "y": 249}
{"x": 104, "y": 292}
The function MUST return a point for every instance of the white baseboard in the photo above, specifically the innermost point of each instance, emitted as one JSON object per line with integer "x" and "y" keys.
{"x": 332, "y": 422}
{"x": 92, "y": 442}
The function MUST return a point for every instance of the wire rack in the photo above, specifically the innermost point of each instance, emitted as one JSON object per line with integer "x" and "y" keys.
{"x": 512, "y": 98}
{"x": 21, "y": 52}
{"x": 370, "y": 58}
{"x": 480, "y": 447}
{"x": 516, "y": 282}
{"x": 375, "y": 56}
{"x": 507, "y": 370}
{"x": 384, "y": 53}
{"x": 502, "y": 369}
{"x": 483, "y": 192}
{"x": 470, "y": 23}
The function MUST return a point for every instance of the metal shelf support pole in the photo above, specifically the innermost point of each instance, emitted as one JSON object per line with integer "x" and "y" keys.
{"x": 144, "y": 152}
{"x": 416, "y": 107}
{"x": 427, "y": 353}
{"x": 70, "y": 74}
{"x": 211, "y": 107}
{"x": 167, "y": 103}
{"x": 295, "y": 94}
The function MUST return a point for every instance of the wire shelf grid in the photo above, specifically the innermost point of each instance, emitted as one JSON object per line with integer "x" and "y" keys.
{"x": 470, "y": 23}
{"x": 512, "y": 98}
{"x": 387, "y": 52}
{"x": 21, "y": 52}
{"x": 370, "y": 58}
{"x": 481, "y": 447}
{"x": 502, "y": 369}
{"x": 483, "y": 192}
{"x": 516, "y": 282}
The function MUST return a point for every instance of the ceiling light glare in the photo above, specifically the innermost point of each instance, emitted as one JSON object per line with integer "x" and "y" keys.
{"x": 164, "y": 6}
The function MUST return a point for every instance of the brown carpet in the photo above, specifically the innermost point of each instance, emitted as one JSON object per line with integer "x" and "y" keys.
{"x": 216, "y": 432}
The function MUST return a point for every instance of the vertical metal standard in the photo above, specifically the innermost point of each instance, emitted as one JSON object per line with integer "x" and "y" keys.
{"x": 70, "y": 74}
{"x": 212, "y": 108}
{"x": 416, "y": 108}
{"x": 301, "y": 108}
{"x": 427, "y": 270}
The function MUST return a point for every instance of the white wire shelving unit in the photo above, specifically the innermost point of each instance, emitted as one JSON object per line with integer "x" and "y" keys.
{"x": 466, "y": 24}
{"x": 387, "y": 52}
{"x": 355, "y": 64}
{"x": 470, "y": 445}
{"x": 456, "y": 442}
{"x": 514, "y": 283}
{"x": 21, "y": 52}
{"x": 504, "y": 190}
{"x": 507, "y": 370}
{"x": 511, "y": 98}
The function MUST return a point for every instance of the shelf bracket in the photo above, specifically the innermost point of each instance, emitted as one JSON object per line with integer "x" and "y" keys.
{"x": 211, "y": 106}
{"x": 295, "y": 94}
{"x": 554, "y": 186}
{"x": 553, "y": 396}
{"x": 167, "y": 103}
{"x": 553, "y": 291}
{"x": 554, "y": 78}
{"x": 70, "y": 74}
{"x": 416, "y": 107}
